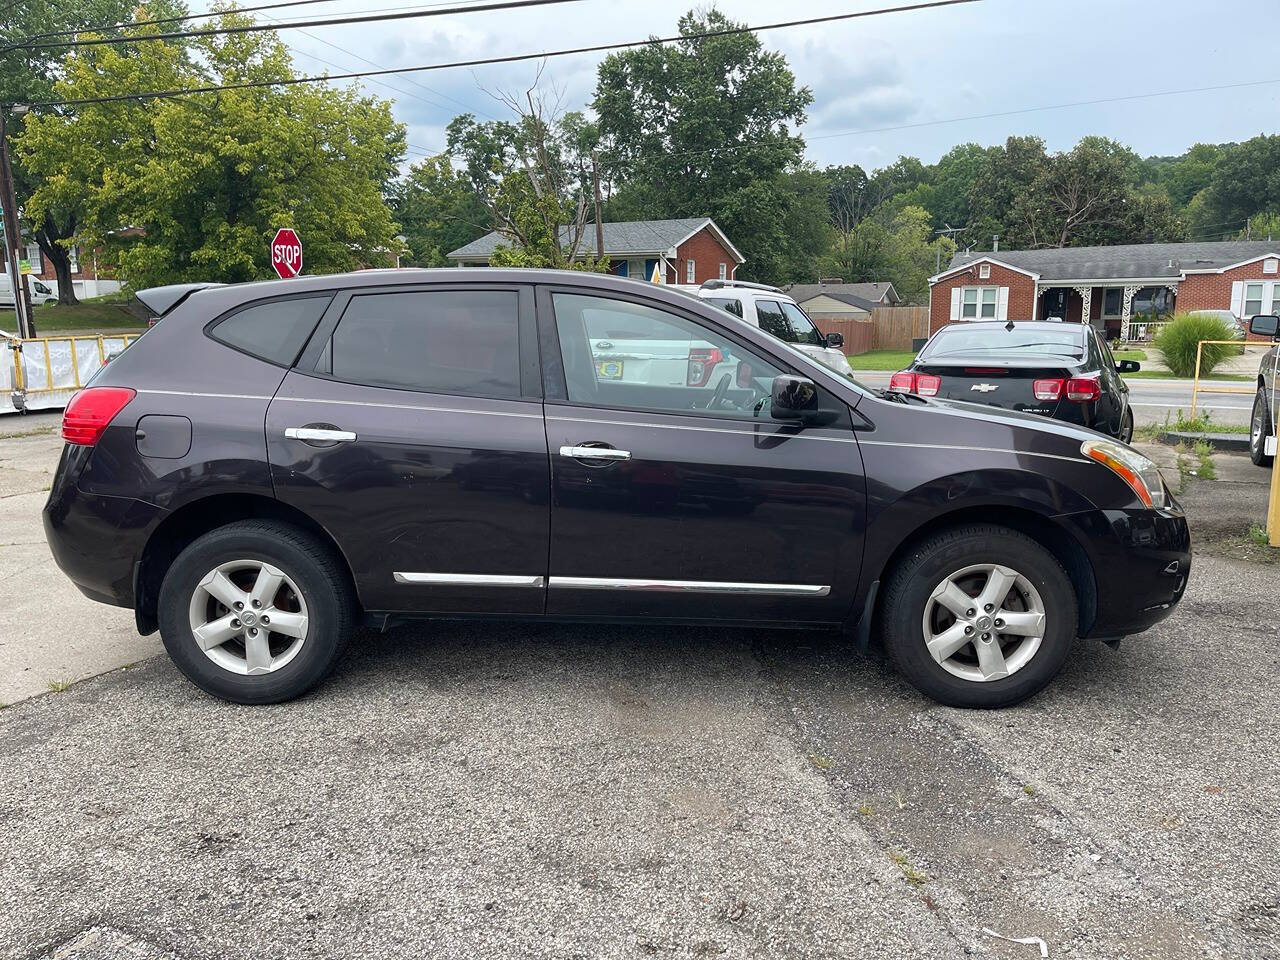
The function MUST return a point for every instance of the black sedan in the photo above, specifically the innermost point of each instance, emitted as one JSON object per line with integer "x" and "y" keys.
{"x": 277, "y": 463}
{"x": 1054, "y": 369}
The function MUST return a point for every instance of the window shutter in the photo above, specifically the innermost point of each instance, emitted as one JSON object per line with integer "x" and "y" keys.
{"x": 1237, "y": 298}
{"x": 955, "y": 304}
{"x": 1002, "y": 304}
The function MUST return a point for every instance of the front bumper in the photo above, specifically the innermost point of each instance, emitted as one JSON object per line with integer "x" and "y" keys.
{"x": 1141, "y": 561}
{"x": 96, "y": 540}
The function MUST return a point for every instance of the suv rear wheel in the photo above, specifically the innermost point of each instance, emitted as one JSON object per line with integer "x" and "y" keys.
{"x": 1260, "y": 428}
{"x": 979, "y": 616}
{"x": 256, "y": 611}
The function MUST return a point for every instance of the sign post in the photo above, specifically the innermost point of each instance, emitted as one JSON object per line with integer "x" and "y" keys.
{"x": 286, "y": 253}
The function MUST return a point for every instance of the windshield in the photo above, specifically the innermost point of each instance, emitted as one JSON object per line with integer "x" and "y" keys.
{"x": 962, "y": 339}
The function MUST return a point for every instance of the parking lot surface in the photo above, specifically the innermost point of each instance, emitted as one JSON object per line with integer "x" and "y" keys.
{"x": 462, "y": 790}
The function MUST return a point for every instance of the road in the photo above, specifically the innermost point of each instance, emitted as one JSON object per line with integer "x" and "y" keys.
{"x": 1152, "y": 400}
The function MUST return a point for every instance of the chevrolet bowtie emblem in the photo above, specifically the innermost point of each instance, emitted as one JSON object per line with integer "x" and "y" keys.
{"x": 985, "y": 387}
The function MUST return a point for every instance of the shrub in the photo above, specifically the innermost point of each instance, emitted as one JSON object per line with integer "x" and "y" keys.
{"x": 1178, "y": 339}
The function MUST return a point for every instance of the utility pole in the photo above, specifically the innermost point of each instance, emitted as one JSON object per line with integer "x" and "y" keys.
{"x": 595, "y": 175}
{"x": 12, "y": 231}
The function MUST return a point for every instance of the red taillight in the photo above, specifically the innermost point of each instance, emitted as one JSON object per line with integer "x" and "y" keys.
{"x": 90, "y": 411}
{"x": 1047, "y": 389}
{"x": 904, "y": 381}
{"x": 702, "y": 361}
{"x": 1083, "y": 389}
{"x": 923, "y": 384}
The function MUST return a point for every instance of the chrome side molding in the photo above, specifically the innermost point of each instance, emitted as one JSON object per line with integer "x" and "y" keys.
{"x": 692, "y": 586}
{"x": 470, "y": 579}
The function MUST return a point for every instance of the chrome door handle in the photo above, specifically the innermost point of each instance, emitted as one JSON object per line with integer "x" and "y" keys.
{"x": 318, "y": 433}
{"x": 595, "y": 453}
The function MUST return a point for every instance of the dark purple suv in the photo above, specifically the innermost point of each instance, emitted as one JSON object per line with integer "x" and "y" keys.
{"x": 273, "y": 464}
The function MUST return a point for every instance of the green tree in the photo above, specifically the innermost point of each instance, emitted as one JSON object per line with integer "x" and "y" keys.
{"x": 29, "y": 75}
{"x": 438, "y": 210}
{"x": 1245, "y": 181}
{"x": 897, "y": 245}
{"x": 703, "y": 127}
{"x": 208, "y": 178}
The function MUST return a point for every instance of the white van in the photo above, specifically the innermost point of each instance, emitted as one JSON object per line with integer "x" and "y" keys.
{"x": 41, "y": 292}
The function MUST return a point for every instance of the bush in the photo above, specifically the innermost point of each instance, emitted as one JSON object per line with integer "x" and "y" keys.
{"x": 1178, "y": 339}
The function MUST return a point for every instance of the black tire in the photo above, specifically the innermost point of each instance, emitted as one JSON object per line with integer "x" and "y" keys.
{"x": 1126, "y": 427}
{"x": 321, "y": 579}
{"x": 1258, "y": 441}
{"x": 933, "y": 559}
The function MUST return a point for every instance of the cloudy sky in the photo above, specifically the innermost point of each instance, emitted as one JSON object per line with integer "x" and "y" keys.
{"x": 904, "y": 83}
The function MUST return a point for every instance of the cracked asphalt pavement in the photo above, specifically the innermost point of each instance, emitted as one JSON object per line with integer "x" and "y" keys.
{"x": 483, "y": 790}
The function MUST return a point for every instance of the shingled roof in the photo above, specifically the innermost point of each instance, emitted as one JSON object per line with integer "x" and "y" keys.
{"x": 627, "y": 238}
{"x": 870, "y": 294}
{"x": 1136, "y": 261}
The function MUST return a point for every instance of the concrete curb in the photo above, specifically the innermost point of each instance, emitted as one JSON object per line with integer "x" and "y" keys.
{"x": 1235, "y": 442}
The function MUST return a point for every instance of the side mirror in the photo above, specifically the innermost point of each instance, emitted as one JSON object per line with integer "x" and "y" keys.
{"x": 793, "y": 398}
{"x": 1264, "y": 326}
{"x": 1128, "y": 366}
{"x": 835, "y": 340}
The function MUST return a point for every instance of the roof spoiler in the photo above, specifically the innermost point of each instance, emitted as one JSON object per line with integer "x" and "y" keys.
{"x": 161, "y": 300}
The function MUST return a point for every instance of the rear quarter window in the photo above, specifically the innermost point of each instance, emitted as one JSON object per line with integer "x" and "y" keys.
{"x": 275, "y": 331}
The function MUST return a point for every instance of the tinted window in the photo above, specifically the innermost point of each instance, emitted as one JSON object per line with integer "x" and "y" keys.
{"x": 274, "y": 331}
{"x": 1066, "y": 340}
{"x": 732, "y": 304}
{"x": 773, "y": 320}
{"x": 802, "y": 327}
{"x": 460, "y": 342}
{"x": 622, "y": 354}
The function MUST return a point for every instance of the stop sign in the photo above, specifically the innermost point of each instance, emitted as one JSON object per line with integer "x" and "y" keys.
{"x": 286, "y": 253}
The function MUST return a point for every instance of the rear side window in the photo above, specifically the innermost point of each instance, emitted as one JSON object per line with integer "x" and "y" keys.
{"x": 275, "y": 331}
{"x": 732, "y": 304}
{"x": 454, "y": 341}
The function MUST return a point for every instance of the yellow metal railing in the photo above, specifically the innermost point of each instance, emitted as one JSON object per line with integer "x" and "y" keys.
{"x": 1239, "y": 389}
{"x": 22, "y": 352}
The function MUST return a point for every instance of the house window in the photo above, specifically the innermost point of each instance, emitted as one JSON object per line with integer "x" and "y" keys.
{"x": 74, "y": 254}
{"x": 690, "y": 271}
{"x": 1112, "y": 302}
{"x": 1271, "y": 265}
{"x": 978, "y": 303}
{"x": 984, "y": 271}
{"x": 724, "y": 271}
{"x": 635, "y": 270}
{"x": 37, "y": 261}
{"x": 1252, "y": 299}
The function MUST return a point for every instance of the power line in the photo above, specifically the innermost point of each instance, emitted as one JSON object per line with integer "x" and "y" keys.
{"x": 513, "y": 58}
{"x": 119, "y": 25}
{"x": 323, "y": 22}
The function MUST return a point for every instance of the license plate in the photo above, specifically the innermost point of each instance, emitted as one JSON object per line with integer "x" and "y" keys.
{"x": 609, "y": 369}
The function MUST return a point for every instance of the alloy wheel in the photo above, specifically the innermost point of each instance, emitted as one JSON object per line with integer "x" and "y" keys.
{"x": 1256, "y": 425}
{"x": 984, "y": 622}
{"x": 248, "y": 617}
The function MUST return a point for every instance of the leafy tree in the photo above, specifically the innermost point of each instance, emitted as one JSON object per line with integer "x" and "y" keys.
{"x": 1245, "y": 181}
{"x": 208, "y": 178}
{"x": 29, "y": 74}
{"x": 438, "y": 210}
{"x": 894, "y": 245}
{"x": 703, "y": 128}
{"x": 1007, "y": 180}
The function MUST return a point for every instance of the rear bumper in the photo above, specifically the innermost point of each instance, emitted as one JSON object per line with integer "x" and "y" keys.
{"x": 96, "y": 540}
{"x": 1141, "y": 560}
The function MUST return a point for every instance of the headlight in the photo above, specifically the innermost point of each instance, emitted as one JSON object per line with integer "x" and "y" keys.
{"x": 1141, "y": 474}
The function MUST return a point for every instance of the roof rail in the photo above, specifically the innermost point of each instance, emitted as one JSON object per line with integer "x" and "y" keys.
{"x": 721, "y": 284}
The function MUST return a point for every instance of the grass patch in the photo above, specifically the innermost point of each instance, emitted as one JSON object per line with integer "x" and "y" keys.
{"x": 882, "y": 360}
{"x": 866, "y": 810}
{"x": 1138, "y": 355}
{"x": 1029, "y": 790}
{"x": 1258, "y": 535}
{"x": 914, "y": 876}
{"x": 57, "y": 686}
{"x": 89, "y": 315}
{"x": 1183, "y": 424}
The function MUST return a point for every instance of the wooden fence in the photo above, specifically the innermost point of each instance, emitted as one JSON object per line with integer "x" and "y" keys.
{"x": 890, "y": 328}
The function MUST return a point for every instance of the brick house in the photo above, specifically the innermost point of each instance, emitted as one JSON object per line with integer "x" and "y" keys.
{"x": 690, "y": 251}
{"x": 1124, "y": 290}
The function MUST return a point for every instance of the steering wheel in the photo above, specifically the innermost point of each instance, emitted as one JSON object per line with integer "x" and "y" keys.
{"x": 722, "y": 389}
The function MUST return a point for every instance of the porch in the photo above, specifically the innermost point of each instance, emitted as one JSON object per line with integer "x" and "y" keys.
{"x": 1131, "y": 312}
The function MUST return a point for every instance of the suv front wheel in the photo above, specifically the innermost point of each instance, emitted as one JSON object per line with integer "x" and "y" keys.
{"x": 979, "y": 616}
{"x": 256, "y": 611}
